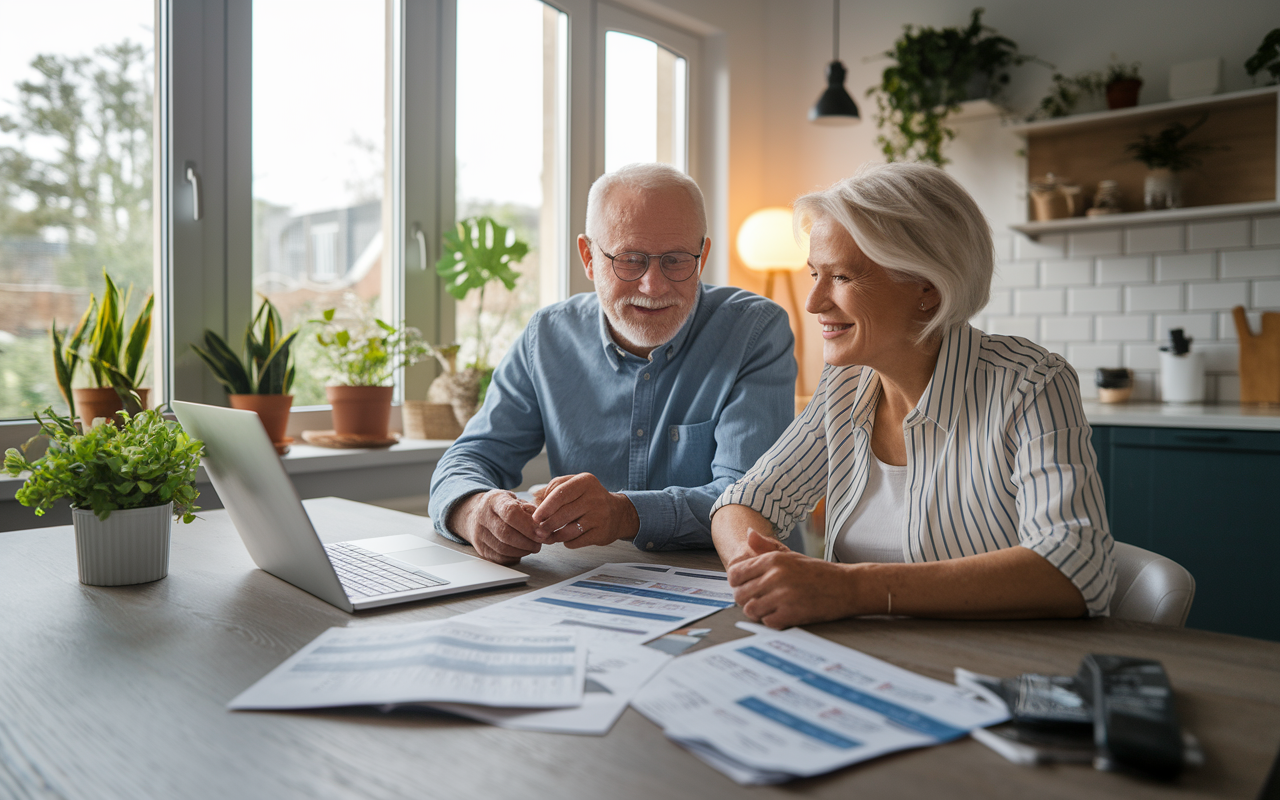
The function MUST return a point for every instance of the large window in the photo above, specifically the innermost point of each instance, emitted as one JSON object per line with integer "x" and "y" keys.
{"x": 76, "y": 134}
{"x": 645, "y": 103}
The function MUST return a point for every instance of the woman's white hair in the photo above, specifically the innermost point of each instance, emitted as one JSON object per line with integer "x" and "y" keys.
{"x": 639, "y": 177}
{"x": 921, "y": 225}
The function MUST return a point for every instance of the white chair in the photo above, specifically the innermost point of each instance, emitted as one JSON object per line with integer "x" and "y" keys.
{"x": 1150, "y": 587}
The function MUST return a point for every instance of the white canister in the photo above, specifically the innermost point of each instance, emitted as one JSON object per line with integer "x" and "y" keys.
{"x": 1182, "y": 377}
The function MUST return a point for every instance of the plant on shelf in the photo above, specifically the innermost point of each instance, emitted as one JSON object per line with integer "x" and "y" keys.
{"x": 477, "y": 252}
{"x": 126, "y": 484}
{"x": 935, "y": 71}
{"x": 1123, "y": 81}
{"x": 362, "y": 354}
{"x": 1165, "y": 154}
{"x": 1266, "y": 58}
{"x": 260, "y": 377}
{"x": 1065, "y": 93}
{"x": 114, "y": 359}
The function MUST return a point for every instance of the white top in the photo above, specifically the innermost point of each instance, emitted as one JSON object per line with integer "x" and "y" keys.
{"x": 874, "y": 530}
{"x": 998, "y": 455}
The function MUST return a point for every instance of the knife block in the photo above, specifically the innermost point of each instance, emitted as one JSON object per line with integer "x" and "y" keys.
{"x": 1259, "y": 358}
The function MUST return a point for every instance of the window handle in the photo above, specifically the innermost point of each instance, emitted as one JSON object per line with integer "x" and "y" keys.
{"x": 193, "y": 178}
{"x": 422, "y": 246}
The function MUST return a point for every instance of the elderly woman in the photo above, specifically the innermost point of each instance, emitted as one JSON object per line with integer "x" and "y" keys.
{"x": 957, "y": 466}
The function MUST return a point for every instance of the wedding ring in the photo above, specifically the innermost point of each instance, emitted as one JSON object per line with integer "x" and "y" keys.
{"x": 580, "y": 528}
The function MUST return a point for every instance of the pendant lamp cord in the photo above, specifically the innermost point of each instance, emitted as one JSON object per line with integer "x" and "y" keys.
{"x": 835, "y": 31}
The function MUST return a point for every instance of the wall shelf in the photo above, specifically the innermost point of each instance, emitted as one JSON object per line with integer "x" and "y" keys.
{"x": 1173, "y": 215}
{"x": 1139, "y": 113}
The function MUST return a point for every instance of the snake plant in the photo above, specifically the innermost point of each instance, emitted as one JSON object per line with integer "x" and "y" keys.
{"x": 266, "y": 365}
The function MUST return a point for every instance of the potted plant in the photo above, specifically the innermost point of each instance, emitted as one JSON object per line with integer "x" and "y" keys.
{"x": 935, "y": 71}
{"x": 260, "y": 378}
{"x": 1266, "y": 58}
{"x": 115, "y": 361}
{"x": 1065, "y": 93}
{"x": 1166, "y": 154}
{"x": 1123, "y": 83}
{"x": 363, "y": 354}
{"x": 477, "y": 252}
{"x": 126, "y": 484}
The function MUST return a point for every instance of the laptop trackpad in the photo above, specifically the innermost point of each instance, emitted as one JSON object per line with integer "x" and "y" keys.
{"x": 414, "y": 549}
{"x": 430, "y": 556}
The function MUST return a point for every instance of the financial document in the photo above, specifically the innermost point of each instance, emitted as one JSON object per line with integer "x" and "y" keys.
{"x": 789, "y": 704}
{"x": 617, "y": 603}
{"x": 447, "y": 661}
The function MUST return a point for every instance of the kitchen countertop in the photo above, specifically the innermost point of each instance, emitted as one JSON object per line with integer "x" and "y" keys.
{"x": 1231, "y": 416}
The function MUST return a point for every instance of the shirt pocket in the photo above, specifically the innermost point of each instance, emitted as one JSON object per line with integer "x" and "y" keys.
{"x": 692, "y": 448}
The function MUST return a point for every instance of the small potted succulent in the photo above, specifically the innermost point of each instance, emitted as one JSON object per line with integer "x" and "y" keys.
{"x": 1123, "y": 82}
{"x": 126, "y": 483}
{"x": 115, "y": 361}
{"x": 260, "y": 377}
{"x": 1166, "y": 154}
{"x": 362, "y": 355}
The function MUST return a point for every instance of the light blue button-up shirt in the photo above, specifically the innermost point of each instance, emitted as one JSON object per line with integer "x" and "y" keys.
{"x": 670, "y": 431}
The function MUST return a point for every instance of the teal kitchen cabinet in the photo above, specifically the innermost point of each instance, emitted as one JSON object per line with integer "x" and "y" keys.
{"x": 1210, "y": 500}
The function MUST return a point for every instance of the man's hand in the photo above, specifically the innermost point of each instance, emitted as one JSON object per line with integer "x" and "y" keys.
{"x": 580, "y": 512}
{"x": 498, "y": 525}
{"x": 781, "y": 588}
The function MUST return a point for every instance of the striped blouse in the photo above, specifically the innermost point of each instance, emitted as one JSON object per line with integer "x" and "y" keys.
{"x": 998, "y": 452}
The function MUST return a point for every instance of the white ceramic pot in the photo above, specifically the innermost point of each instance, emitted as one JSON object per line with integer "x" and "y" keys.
{"x": 127, "y": 547}
{"x": 1162, "y": 189}
{"x": 1182, "y": 377}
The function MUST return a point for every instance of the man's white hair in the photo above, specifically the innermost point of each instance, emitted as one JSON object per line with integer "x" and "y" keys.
{"x": 918, "y": 223}
{"x": 639, "y": 177}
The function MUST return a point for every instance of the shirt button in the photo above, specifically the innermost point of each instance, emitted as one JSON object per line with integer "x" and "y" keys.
{"x": 646, "y": 376}
{"x": 649, "y": 546}
{"x": 639, "y": 431}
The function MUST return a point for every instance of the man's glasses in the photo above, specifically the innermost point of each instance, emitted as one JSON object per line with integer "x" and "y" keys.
{"x": 676, "y": 266}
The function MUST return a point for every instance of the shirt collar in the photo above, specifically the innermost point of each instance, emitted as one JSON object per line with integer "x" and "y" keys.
{"x": 614, "y": 352}
{"x": 943, "y": 398}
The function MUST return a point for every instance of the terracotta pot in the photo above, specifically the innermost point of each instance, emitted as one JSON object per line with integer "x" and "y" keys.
{"x": 360, "y": 410}
{"x": 1123, "y": 94}
{"x": 273, "y": 410}
{"x": 94, "y": 403}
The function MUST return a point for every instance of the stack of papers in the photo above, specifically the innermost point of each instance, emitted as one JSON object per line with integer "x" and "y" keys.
{"x": 567, "y": 658}
{"x": 784, "y": 705}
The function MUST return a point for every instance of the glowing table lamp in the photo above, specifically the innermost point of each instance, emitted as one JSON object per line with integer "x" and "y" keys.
{"x": 766, "y": 244}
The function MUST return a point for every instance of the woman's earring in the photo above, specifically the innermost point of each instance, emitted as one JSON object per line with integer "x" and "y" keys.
{"x": 922, "y": 305}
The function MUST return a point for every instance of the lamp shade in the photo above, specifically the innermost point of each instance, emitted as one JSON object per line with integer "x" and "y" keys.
{"x": 766, "y": 241}
{"x": 835, "y": 106}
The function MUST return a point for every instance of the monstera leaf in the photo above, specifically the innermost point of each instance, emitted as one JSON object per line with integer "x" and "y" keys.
{"x": 476, "y": 252}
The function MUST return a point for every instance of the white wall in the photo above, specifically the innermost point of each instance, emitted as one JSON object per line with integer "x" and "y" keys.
{"x": 1074, "y": 35}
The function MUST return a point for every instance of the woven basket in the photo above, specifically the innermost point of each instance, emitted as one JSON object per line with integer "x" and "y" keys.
{"x": 423, "y": 420}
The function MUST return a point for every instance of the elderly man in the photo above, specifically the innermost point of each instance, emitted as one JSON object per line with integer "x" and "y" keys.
{"x": 651, "y": 395}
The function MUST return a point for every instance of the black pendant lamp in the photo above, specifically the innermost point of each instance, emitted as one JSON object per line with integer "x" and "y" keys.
{"x": 835, "y": 106}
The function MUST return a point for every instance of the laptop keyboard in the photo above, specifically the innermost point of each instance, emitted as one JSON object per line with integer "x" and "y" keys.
{"x": 364, "y": 573}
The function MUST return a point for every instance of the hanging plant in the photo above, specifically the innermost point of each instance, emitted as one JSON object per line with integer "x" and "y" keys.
{"x": 935, "y": 71}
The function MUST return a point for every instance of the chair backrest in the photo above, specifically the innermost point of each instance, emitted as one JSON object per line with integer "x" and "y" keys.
{"x": 1150, "y": 587}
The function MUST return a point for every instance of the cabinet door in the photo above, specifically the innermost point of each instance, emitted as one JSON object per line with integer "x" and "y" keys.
{"x": 1209, "y": 500}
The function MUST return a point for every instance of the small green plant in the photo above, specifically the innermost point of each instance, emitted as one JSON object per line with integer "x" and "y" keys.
{"x": 1266, "y": 58}
{"x": 113, "y": 359}
{"x": 1065, "y": 93}
{"x": 478, "y": 251}
{"x": 931, "y": 77}
{"x": 361, "y": 350}
{"x": 265, "y": 366}
{"x": 146, "y": 461}
{"x": 1120, "y": 71}
{"x": 1168, "y": 150}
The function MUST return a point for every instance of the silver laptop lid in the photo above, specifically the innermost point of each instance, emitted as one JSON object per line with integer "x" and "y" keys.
{"x": 262, "y": 502}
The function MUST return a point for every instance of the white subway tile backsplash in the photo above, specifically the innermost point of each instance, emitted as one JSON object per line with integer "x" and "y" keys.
{"x": 1001, "y": 303}
{"x": 1251, "y": 264}
{"x": 1220, "y": 356}
{"x": 1130, "y": 327}
{"x": 1228, "y": 389}
{"x": 1039, "y": 301}
{"x": 1205, "y": 296}
{"x": 1144, "y": 387}
{"x": 1135, "y": 269}
{"x": 1003, "y": 244}
{"x": 1094, "y": 243}
{"x": 1212, "y": 235}
{"x": 1054, "y": 246}
{"x": 1153, "y": 239}
{"x": 1227, "y": 325}
{"x": 1053, "y": 347}
{"x": 1201, "y": 327}
{"x": 1153, "y": 298}
{"x": 1266, "y": 230}
{"x": 1088, "y": 389}
{"x": 1026, "y": 327}
{"x": 1142, "y": 356}
{"x": 1087, "y": 301}
{"x": 1266, "y": 294}
{"x": 1088, "y": 357}
{"x": 1066, "y": 273}
{"x": 1067, "y": 329}
{"x": 1016, "y": 273}
{"x": 1193, "y": 267}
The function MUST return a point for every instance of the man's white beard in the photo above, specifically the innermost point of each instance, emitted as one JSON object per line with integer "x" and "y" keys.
{"x": 642, "y": 334}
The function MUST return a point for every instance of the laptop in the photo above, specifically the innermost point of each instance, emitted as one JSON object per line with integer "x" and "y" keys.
{"x": 282, "y": 539}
